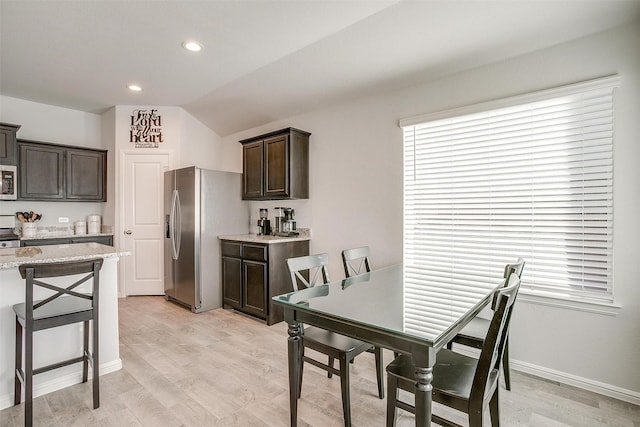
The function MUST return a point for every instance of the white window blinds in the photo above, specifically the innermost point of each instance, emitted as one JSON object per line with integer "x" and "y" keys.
{"x": 529, "y": 176}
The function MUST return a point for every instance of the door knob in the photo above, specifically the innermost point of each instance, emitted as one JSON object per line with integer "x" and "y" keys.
{"x": 128, "y": 232}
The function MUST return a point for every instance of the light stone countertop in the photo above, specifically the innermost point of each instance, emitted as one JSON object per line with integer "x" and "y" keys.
{"x": 13, "y": 257}
{"x": 304, "y": 234}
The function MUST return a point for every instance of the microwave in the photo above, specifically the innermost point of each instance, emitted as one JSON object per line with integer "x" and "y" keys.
{"x": 8, "y": 182}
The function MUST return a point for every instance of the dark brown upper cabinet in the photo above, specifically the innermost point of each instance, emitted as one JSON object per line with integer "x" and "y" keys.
{"x": 41, "y": 172}
{"x": 61, "y": 173}
{"x": 86, "y": 178}
{"x": 8, "y": 144}
{"x": 276, "y": 165}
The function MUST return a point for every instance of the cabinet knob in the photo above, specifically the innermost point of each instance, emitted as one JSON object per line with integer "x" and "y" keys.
{"x": 128, "y": 232}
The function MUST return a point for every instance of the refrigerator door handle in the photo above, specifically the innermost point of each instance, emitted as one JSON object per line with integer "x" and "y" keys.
{"x": 172, "y": 221}
{"x": 178, "y": 227}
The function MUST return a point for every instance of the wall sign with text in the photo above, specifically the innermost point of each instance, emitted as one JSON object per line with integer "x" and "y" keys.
{"x": 146, "y": 129}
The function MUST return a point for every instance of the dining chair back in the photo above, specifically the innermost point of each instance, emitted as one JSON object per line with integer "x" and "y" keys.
{"x": 474, "y": 333}
{"x": 509, "y": 269}
{"x": 310, "y": 271}
{"x": 356, "y": 261}
{"x": 306, "y": 270}
{"x": 65, "y": 306}
{"x": 461, "y": 382}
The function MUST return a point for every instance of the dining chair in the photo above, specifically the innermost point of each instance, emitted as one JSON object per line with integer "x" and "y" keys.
{"x": 461, "y": 382}
{"x": 472, "y": 335}
{"x": 355, "y": 262}
{"x": 64, "y": 307}
{"x": 309, "y": 271}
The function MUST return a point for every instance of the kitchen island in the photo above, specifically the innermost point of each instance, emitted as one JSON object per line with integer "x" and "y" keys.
{"x": 66, "y": 341}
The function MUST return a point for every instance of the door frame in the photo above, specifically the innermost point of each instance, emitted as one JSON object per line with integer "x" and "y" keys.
{"x": 120, "y": 226}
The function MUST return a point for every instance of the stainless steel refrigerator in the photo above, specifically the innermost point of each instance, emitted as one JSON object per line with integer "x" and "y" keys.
{"x": 199, "y": 206}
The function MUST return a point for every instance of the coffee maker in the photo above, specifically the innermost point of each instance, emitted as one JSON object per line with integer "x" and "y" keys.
{"x": 264, "y": 225}
{"x": 288, "y": 223}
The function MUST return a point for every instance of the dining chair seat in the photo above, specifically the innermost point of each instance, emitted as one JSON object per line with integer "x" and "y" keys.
{"x": 328, "y": 342}
{"x": 452, "y": 376}
{"x": 473, "y": 331}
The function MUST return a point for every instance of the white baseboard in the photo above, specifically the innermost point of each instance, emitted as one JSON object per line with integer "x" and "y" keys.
{"x": 62, "y": 382}
{"x": 565, "y": 378}
{"x": 576, "y": 381}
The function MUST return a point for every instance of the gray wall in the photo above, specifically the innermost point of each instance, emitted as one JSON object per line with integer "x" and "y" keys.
{"x": 356, "y": 198}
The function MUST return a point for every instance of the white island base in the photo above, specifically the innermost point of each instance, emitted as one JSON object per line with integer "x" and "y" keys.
{"x": 54, "y": 345}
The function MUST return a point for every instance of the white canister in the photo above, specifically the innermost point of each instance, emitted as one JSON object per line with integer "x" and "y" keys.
{"x": 94, "y": 224}
{"x": 80, "y": 227}
{"x": 29, "y": 229}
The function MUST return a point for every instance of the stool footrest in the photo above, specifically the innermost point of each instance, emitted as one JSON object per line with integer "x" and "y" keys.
{"x": 58, "y": 365}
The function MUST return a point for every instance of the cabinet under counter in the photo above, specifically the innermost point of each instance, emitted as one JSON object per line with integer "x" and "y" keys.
{"x": 254, "y": 272}
{"x": 105, "y": 239}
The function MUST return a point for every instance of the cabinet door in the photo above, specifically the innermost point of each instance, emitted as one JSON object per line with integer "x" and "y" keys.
{"x": 41, "y": 172}
{"x": 105, "y": 240}
{"x": 252, "y": 169}
{"x": 8, "y": 145}
{"x": 255, "y": 287}
{"x": 276, "y": 151}
{"x": 45, "y": 242}
{"x": 232, "y": 281}
{"x": 85, "y": 175}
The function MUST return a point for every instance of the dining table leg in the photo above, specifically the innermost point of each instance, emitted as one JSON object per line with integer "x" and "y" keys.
{"x": 293, "y": 350}
{"x": 424, "y": 360}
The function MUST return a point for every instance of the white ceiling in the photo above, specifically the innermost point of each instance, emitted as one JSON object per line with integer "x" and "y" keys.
{"x": 266, "y": 60}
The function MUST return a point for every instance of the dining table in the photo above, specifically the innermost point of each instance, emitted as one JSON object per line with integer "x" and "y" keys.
{"x": 399, "y": 307}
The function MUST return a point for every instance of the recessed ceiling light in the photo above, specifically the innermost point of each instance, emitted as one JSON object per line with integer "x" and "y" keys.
{"x": 192, "y": 45}
{"x": 135, "y": 88}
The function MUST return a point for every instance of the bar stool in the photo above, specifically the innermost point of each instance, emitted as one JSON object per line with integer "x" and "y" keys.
{"x": 52, "y": 312}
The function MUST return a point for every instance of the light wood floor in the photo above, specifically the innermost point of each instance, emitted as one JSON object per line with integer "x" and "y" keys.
{"x": 223, "y": 369}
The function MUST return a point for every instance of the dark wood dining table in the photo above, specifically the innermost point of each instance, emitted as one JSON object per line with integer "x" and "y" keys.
{"x": 391, "y": 307}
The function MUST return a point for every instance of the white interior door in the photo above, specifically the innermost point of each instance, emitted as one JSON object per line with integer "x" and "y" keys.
{"x": 143, "y": 225}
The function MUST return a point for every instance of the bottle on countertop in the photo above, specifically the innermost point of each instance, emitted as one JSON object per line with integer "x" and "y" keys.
{"x": 94, "y": 224}
{"x": 80, "y": 227}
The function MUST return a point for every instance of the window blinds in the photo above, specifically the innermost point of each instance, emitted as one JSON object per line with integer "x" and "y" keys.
{"x": 528, "y": 176}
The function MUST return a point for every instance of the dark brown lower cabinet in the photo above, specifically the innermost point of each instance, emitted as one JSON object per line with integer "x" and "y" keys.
{"x": 232, "y": 281}
{"x": 105, "y": 240}
{"x": 254, "y": 276}
{"x": 252, "y": 273}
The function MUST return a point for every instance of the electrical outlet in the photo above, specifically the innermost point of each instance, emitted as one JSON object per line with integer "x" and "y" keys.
{"x": 63, "y": 219}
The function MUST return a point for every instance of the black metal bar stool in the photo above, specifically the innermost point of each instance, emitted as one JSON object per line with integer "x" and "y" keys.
{"x": 64, "y": 307}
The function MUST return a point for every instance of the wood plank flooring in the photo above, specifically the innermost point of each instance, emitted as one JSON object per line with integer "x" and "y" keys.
{"x": 221, "y": 368}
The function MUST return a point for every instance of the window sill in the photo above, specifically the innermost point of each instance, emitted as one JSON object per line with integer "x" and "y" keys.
{"x": 596, "y": 307}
